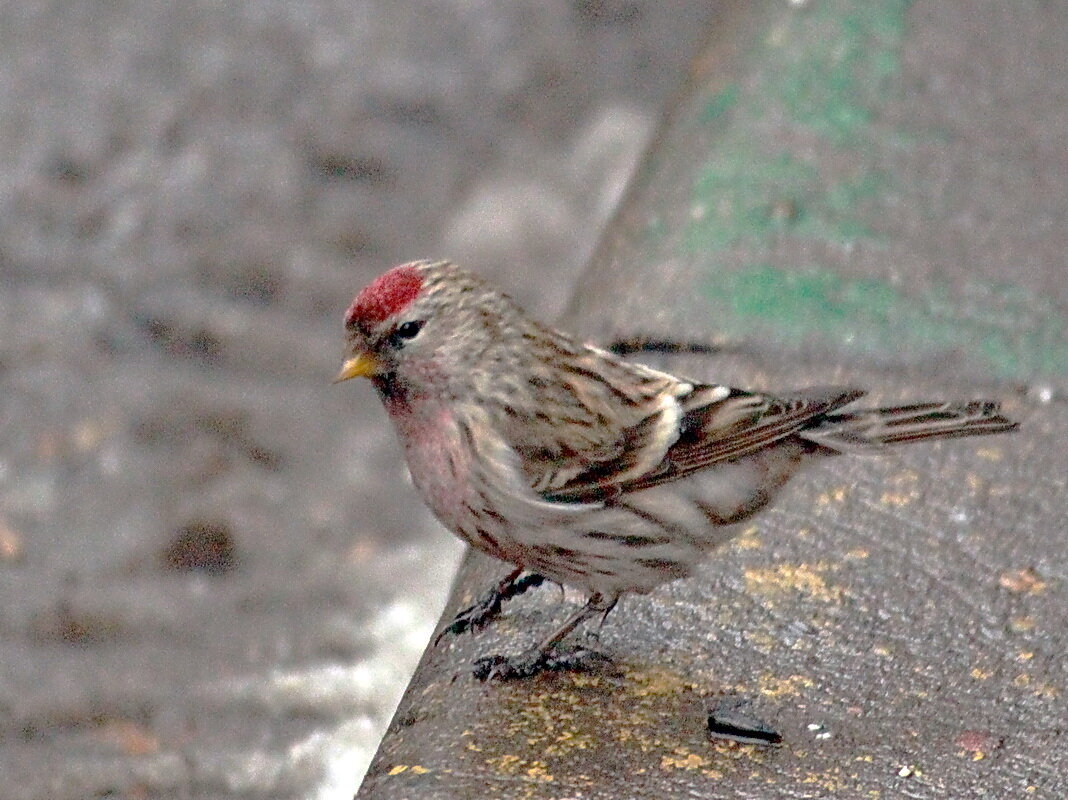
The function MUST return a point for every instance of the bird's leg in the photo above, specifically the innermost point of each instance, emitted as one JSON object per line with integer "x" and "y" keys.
{"x": 596, "y": 634}
{"x": 488, "y": 607}
{"x": 545, "y": 656}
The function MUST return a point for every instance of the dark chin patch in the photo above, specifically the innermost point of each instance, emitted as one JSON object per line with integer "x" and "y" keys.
{"x": 388, "y": 387}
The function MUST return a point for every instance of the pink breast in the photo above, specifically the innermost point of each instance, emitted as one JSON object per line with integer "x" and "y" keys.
{"x": 438, "y": 462}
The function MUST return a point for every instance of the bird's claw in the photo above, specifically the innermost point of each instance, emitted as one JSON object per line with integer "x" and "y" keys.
{"x": 505, "y": 668}
{"x": 474, "y": 617}
{"x": 480, "y": 614}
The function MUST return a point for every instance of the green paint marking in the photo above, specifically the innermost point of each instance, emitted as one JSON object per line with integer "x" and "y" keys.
{"x": 1015, "y": 333}
{"x": 720, "y": 104}
{"x": 749, "y": 198}
{"x": 826, "y": 71}
{"x": 842, "y": 66}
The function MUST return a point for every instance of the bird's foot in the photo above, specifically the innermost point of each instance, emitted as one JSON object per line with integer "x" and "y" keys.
{"x": 526, "y": 665}
{"x": 488, "y": 607}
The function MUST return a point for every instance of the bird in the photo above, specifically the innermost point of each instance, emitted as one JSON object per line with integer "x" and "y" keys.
{"x": 574, "y": 465}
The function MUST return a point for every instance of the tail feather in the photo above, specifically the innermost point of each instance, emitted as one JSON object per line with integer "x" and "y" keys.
{"x": 872, "y": 428}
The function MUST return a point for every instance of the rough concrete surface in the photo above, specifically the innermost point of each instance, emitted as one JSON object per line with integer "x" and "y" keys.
{"x": 214, "y": 580}
{"x": 854, "y": 193}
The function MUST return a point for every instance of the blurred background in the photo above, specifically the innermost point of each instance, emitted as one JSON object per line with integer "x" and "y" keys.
{"x": 214, "y": 577}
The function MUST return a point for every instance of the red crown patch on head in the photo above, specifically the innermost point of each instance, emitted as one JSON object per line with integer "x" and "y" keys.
{"x": 385, "y": 296}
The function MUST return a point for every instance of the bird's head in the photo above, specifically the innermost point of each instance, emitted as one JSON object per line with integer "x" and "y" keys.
{"x": 428, "y": 326}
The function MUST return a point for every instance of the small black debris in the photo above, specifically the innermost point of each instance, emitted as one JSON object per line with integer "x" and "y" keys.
{"x": 731, "y": 719}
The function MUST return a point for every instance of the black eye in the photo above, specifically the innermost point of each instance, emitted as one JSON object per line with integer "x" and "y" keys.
{"x": 410, "y": 329}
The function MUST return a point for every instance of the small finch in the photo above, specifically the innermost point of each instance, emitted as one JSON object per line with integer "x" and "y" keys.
{"x": 576, "y": 466}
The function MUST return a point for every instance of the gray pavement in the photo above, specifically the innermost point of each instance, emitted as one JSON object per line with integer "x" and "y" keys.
{"x": 853, "y": 193}
{"x": 214, "y": 580}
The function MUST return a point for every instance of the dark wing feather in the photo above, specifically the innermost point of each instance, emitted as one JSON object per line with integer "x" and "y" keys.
{"x": 601, "y": 416}
{"x": 707, "y": 437}
{"x": 714, "y": 428}
{"x": 867, "y": 428}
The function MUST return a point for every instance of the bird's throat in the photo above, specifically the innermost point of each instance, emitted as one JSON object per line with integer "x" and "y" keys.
{"x": 389, "y": 389}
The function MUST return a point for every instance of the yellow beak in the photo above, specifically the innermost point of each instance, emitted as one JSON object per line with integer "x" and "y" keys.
{"x": 361, "y": 365}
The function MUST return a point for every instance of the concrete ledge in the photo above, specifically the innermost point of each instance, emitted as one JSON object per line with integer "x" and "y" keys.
{"x": 849, "y": 193}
